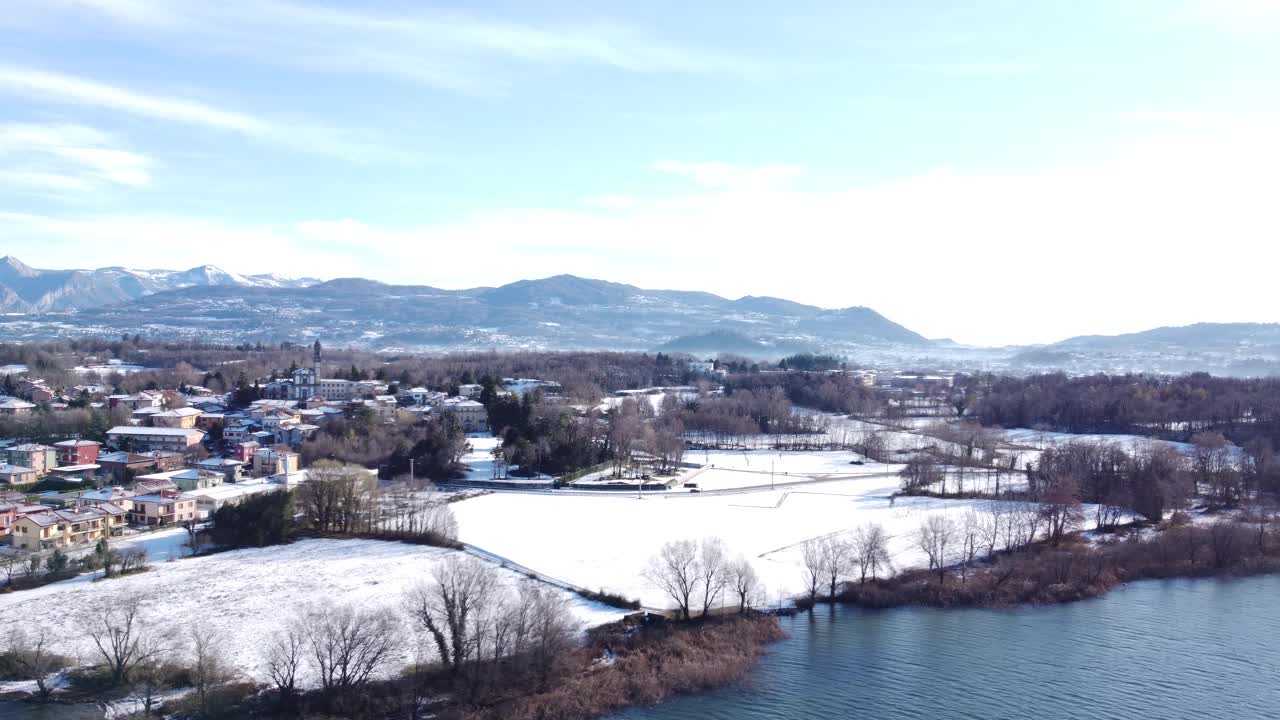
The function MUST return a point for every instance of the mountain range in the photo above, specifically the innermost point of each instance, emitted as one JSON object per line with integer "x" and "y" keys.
{"x": 24, "y": 289}
{"x": 556, "y": 313}
{"x": 563, "y": 312}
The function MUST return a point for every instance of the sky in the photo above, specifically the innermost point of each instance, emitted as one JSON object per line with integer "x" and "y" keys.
{"x": 995, "y": 171}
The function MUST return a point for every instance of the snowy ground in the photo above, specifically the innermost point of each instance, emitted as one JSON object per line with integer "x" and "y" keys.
{"x": 607, "y": 541}
{"x": 479, "y": 460}
{"x": 479, "y": 463}
{"x": 245, "y": 595}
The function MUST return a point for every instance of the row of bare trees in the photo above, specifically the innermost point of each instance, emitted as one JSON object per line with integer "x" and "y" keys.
{"x": 835, "y": 559}
{"x": 467, "y": 623}
{"x": 482, "y": 633}
{"x": 698, "y": 577}
{"x": 349, "y": 500}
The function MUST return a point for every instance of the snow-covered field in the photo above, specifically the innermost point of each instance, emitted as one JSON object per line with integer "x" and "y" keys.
{"x": 245, "y": 595}
{"x": 730, "y": 469}
{"x": 606, "y": 542}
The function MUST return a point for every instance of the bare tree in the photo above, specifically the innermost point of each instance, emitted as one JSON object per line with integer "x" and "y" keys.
{"x": 871, "y": 549}
{"x": 210, "y": 670}
{"x": 1060, "y": 507}
{"x": 712, "y": 572}
{"x": 336, "y": 498}
{"x": 447, "y": 607}
{"x": 348, "y": 645}
{"x": 133, "y": 560}
{"x": 150, "y": 674}
{"x": 991, "y": 527}
{"x": 744, "y": 583}
{"x": 283, "y": 657}
{"x": 192, "y": 526}
{"x": 549, "y": 630}
{"x": 10, "y": 564}
{"x": 835, "y": 563}
{"x": 34, "y": 658}
{"x": 675, "y": 571}
{"x": 970, "y": 535}
{"x": 934, "y": 539}
{"x": 812, "y": 556}
{"x": 118, "y": 636}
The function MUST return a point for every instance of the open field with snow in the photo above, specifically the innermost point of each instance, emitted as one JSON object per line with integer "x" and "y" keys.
{"x": 245, "y": 595}
{"x": 606, "y": 542}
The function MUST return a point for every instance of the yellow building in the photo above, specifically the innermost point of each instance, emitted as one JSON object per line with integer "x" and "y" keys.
{"x": 67, "y": 528}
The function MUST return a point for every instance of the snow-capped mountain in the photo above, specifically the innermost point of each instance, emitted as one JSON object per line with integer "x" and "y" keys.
{"x": 24, "y": 289}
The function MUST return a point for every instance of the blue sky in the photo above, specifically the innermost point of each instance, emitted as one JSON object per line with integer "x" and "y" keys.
{"x": 994, "y": 171}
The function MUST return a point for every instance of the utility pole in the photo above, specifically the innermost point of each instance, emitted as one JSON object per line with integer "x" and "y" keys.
{"x": 771, "y": 474}
{"x": 410, "y": 468}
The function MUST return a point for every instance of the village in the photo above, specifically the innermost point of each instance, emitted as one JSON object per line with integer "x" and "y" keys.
{"x": 784, "y": 472}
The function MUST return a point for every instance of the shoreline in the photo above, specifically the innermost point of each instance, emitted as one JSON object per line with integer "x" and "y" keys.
{"x": 1045, "y": 574}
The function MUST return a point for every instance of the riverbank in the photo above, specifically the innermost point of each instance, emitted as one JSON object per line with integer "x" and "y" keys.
{"x": 1080, "y": 568}
{"x": 640, "y": 660}
{"x": 630, "y": 663}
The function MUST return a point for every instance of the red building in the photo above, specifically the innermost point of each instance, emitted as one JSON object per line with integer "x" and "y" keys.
{"x": 77, "y": 452}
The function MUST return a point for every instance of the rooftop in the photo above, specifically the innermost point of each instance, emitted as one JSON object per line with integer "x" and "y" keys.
{"x": 152, "y": 431}
{"x": 76, "y": 443}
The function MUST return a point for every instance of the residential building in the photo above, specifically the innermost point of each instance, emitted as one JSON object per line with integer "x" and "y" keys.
{"x": 295, "y": 434}
{"x": 40, "y": 458}
{"x": 118, "y": 496}
{"x": 473, "y": 416}
{"x": 921, "y": 382}
{"x": 154, "y": 438}
{"x": 244, "y": 450}
{"x": 210, "y": 500}
{"x": 422, "y": 396}
{"x": 154, "y": 484}
{"x": 228, "y": 468}
{"x": 146, "y": 398}
{"x": 196, "y": 479}
{"x": 76, "y": 473}
{"x": 67, "y": 528}
{"x": 77, "y": 452}
{"x": 470, "y": 391}
{"x": 167, "y": 507}
{"x": 17, "y": 474}
{"x": 183, "y": 417}
{"x": 14, "y": 406}
{"x": 274, "y": 461}
{"x": 239, "y": 432}
{"x": 123, "y": 467}
{"x": 8, "y": 515}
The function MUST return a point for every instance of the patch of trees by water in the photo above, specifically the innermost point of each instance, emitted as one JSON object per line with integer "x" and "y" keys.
{"x": 1174, "y": 408}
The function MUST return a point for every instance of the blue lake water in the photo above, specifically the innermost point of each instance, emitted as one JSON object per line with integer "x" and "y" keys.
{"x": 1179, "y": 649}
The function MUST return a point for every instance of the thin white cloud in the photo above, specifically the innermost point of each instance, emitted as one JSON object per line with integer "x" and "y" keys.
{"x": 449, "y": 50}
{"x": 57, "y": 87}
{"x": 65, "y": 157}
{"x": 61, "y": 88}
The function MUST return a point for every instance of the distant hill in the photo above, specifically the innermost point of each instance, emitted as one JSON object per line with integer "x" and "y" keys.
{"x": 1200, "y": 337}
{"x": 720, "y": 342}
{"x": 563, "y": 312}
{"x": 560, "y": 312}
{"x": 24, "y": 289}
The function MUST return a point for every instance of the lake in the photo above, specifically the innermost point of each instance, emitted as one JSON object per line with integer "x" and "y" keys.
{"x": 1167, "y": 650}
{"x": 1177, "y": 649}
